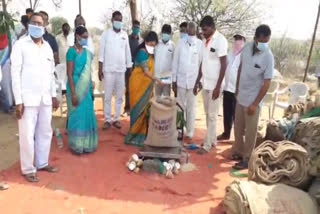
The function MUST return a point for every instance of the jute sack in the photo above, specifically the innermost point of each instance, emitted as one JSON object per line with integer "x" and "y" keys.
{"x": 275, "y": 162}
{"x": 314, "y": 189}
{"x": 248, "y": 197}
{"x": 307, "y": 134}
{"x": 162, "y": 131}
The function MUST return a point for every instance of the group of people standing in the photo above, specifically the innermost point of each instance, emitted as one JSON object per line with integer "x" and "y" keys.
{"x": 139, "y": 68}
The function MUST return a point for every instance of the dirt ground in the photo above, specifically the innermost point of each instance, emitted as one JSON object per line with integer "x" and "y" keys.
{"x": 100, "y": 182}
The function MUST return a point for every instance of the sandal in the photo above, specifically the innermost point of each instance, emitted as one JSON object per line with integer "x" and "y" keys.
{"x": 4, "y": 186}
{"x": 117, "y": 124}
{"x": 106, "y": 126}
{"x": 32, "y": 178}
{"x": 50, "y": 169}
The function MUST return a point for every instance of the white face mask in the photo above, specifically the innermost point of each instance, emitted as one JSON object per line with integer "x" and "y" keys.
{"x": 192, "y": 39}
{"x": 150, "y": 49}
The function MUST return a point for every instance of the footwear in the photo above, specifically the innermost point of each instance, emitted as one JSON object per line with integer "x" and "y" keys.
{"x": 31, "y": 177}
{"x": 241, "y": 165}
{"x": 202, "y": 151}
{"x": 50, "y": 169}
{"x": 106, "y": 126}
{"x": 125, "y": 114}
{"x": 3, "y": 186}
{"x": 223, "y": 136}
{"x": 236, "y": 157}
{"x": 117, "y": 124}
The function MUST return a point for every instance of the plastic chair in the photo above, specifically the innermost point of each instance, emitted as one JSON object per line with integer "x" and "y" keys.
{"x": 99, "y": 92}
{"x": 61, "y": 82}
{"x": 270, "y": 98}
{"x": 298, "y": 92}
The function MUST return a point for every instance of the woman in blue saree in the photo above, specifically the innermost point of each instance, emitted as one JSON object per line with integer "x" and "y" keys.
{"x": 82, "y": 122}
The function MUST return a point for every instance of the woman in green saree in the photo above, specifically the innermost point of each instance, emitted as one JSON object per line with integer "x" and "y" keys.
{"x": 140, "y": 89}
{"x": 82, "y": 123}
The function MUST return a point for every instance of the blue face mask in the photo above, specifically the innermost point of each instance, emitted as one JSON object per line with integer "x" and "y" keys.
{"x": 135, "y": 31}
{"x": 183, "y": 35}
{"x": 166, "y": 37}
{"x": 262, "y": 46}
{"x": 35, "y": 31}
{"x": 83, "y": 42}
{"x": 117, "y": 25}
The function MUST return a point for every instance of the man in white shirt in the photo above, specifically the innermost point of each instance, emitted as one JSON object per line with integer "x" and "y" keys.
{"x": 63, "y": 44}
{"x": 163, "y": 61}
{"x": 32, "y": 69}
{"x": 114, "y": 60}
{"x": 213, "y": 67}
{"x": 183, "y": 30}
{"x": 80, "y": 21}
{"x": 229, "y": 98}
{"x": 185, "y": 68}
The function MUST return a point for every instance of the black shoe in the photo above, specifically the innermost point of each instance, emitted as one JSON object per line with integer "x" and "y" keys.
{"x": 223, "y": 136}
{"x": 241, "y": 165}
{"x": 106, "y": 126}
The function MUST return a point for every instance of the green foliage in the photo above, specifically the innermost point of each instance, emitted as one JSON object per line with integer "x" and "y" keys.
{"x": 6, "y": 22}
{"x": 56, "y": 24}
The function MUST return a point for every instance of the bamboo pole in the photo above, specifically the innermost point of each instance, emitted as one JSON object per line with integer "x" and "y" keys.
{"x": 312, "y": 44}
{"x": 80, "y": 8}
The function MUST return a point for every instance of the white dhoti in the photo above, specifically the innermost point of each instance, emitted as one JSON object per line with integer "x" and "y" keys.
{"x": 35, "y": 135}
{"x": 114, "y": 83}
{"x": 187, "y": 100}
{"x": 211, "y": 108}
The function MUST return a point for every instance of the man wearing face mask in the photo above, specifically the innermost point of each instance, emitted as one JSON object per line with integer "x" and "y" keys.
{"x": 32, "y": 69}
{"x": 50, "y": 38}
{"x": 62, "y": 40}
{"x": 183, "y": 30}
{"x": 254, "y": 77}
{"x": 229, "y": 99}
{"x": 134, "y": 41}
{"x": 163, "y": 62}
{"x": 80, "y": 21}
{"x": 185, "y": 67}
{"x": 114, "y": 60}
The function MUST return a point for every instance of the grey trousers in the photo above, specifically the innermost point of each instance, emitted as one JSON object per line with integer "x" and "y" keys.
{"x": 245, "y": 131}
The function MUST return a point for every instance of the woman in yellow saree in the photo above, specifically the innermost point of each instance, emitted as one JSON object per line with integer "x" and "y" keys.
{"x": 141, "y": 90}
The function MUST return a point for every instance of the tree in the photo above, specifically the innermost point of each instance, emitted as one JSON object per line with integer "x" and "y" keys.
{"x": 229, "y": 15}
{"x": 133, "y": 10}
{"x": 56, "y": 24}
{"x": 6, "y": 22}
{"x": 35, "y": 3}
{"x": 288, "y": 54}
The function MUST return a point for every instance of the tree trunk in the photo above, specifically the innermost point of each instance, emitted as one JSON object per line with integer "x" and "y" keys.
{"x": 133, "y": 9}
{"x": 312, "y": 44}
{"x": 4, "y": 6}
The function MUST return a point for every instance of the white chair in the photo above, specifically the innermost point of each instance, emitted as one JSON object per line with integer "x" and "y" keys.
{"x": 270, "y": 98}
{"x": 61, "y": 82}
{"x": 99, "y": 92}
{"x": 298, "y": 92}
